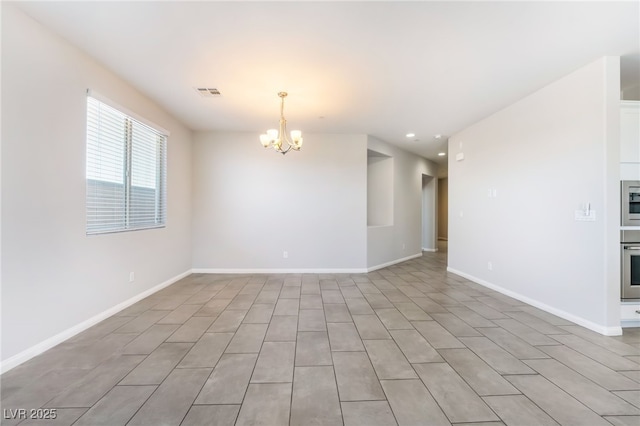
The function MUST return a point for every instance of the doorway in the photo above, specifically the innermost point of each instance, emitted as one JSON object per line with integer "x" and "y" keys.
{"x": 429, "y": 213}
{"x": 443, "y": 209}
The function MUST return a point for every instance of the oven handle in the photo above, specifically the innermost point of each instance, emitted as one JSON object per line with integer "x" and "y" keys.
{"x": 631, "y": 248}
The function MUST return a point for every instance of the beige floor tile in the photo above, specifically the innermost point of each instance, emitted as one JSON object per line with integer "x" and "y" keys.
{"x": 356, "y": 378}
{"x": 368, "y": 413}
{"x": 315, "y": 397}
{"x": 266, "y": 404}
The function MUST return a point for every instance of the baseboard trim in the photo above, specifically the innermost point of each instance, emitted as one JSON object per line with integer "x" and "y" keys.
{"x": 49, "y": 343}
{"x": 393, "y": 262}
{"x": 301, "y": 270}
{"x": 278, "y": 271}
{"x": 607, "y": 331}
{"x": 433, "y": 250}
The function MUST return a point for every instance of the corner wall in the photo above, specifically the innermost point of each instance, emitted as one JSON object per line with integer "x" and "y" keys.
{"x": 526, "y": 170}
{"x": 55, "y": 278}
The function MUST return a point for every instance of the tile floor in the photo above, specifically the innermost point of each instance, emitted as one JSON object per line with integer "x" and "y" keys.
{"x": 409, "y": 344}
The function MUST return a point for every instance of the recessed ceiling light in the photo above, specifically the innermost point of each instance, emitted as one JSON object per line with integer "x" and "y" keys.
{"x": 411, "y": 135}
{"x": 438, "y": 136}
{"x": 442, "y": 154}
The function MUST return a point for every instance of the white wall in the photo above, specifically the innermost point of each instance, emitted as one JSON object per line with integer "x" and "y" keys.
{"x": 379, "y": 190}
{"x": 612, "y": 210}
{"x": 385, "y": 243}
{"x": 251, "y": 204}
{"x": 54, "y": 277}
{"x": 545, "y": 156}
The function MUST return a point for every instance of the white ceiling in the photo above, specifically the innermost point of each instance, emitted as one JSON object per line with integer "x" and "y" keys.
{"x": 384, "y": 68}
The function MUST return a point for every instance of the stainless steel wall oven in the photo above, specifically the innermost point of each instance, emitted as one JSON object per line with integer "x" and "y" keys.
{"x": 630, "y": 206}
{"x": 630, "y": 249}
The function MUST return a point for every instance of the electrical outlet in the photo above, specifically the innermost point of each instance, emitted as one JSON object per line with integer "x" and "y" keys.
{"x": 490, "y": 266}
{"x": 403, "y": 246}
{"x": 132, "y": 277}
{"x": 285, "y": 254}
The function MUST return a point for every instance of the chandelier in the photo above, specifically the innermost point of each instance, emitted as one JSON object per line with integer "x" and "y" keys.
{"x": 275, "y": 137}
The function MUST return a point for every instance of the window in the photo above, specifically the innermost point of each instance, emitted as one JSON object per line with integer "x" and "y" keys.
{"x": 126, "y": 171}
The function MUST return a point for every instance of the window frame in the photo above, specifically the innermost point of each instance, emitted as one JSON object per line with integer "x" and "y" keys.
{"x": 129, "y": 217}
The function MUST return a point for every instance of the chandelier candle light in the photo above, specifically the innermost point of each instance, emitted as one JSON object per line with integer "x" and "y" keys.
{"x": 275, "y": 137}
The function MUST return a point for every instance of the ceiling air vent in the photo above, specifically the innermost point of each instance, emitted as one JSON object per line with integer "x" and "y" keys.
{"x": 208, "y": 92}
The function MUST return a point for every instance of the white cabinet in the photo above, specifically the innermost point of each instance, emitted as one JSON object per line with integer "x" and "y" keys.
{"x": 630, "y": 140}
{"x": 630, "y": 314}
{"x": 630, "y": 132}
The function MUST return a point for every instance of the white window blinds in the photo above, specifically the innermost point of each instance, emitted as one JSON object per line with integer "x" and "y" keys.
{"x": 126, "y": 171}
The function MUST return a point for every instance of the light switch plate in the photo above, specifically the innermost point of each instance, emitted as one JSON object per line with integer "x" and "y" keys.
{"x": 585, "y": 216}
